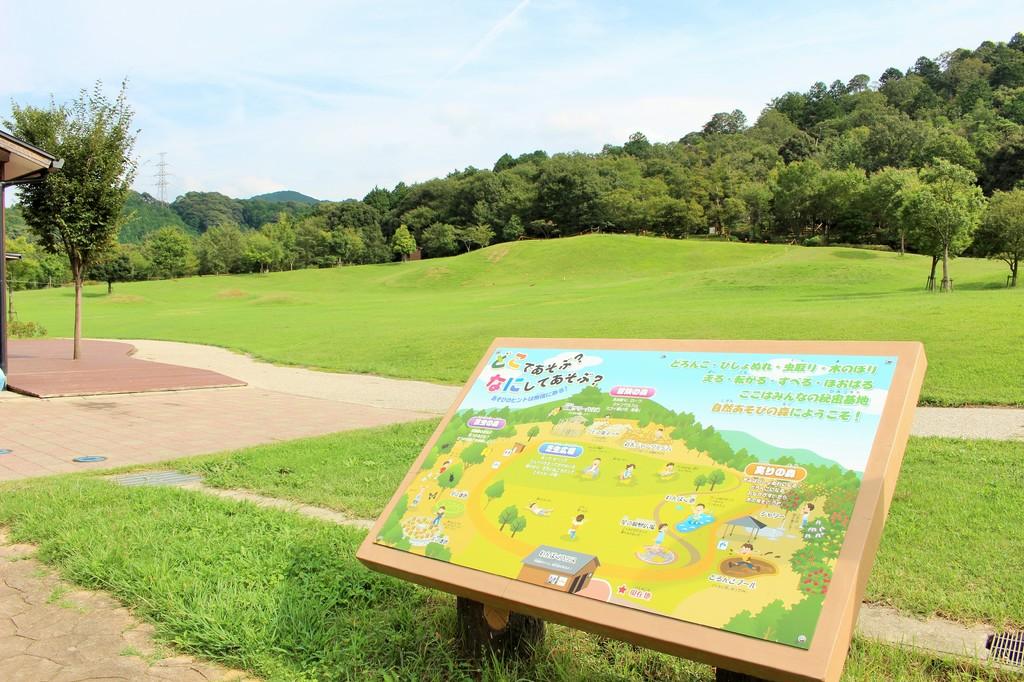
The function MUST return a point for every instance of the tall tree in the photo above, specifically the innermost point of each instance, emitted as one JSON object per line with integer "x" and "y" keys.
{"x": 77, "y": 211}
{"x": 943, "y": 211}
{"x": 403, "y": 244}
{"x": 114, "y": 266}
{"x": 883, "y": 201}
{"x": 1001, "y": 234}
{"x": 170, "y": 251}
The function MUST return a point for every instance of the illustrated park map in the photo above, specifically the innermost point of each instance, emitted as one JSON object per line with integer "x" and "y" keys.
{"x": 714, "y": 488}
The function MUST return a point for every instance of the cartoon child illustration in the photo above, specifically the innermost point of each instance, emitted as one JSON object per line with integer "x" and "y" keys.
{"x": 627, "y": 473}
{"x": 699, "y": 515}
{"x": 659, "y": 433}
{"x": 576, "y": 523}
{"x": 746, "y": 549}
{"x": 668, "y": 471}
{"x": 444, "y": 465}
{"x": 807, "y": 514}
{"x": 539, "y": 511}
{"x": 440, "y": 515}
{"x": 594, "y": 469}
{"x": 416, "y": 500}
{"x": 659, "y": 539}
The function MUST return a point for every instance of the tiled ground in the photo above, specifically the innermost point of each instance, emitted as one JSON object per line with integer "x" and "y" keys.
{"x": 45, "y": 435}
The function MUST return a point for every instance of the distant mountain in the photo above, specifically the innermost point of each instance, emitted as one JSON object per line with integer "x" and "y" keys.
{"x": 765, "y": 452}
{"x": 286, "y": 195}
{"x": 143, "y": 214}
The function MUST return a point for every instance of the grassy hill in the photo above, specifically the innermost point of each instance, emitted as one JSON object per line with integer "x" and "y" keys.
{"x": 432, "y": 319}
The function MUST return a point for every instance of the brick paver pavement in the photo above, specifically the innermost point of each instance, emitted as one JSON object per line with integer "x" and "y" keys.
{"x": 45, "y": 435}
{"x": 51, "y": 631}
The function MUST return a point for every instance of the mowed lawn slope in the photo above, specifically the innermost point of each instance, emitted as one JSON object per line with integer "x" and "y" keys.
{"x": 432, "y": 319}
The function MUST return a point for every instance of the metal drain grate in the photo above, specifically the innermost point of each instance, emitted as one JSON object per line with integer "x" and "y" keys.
{"x": 1007, "y": 647}
{"x": 158, "y": 478}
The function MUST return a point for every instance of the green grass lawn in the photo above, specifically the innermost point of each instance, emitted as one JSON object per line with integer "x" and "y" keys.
{"x": 950, "y": 546}
{"x": 433, "y": 319}
{"x": 284, "y": 597}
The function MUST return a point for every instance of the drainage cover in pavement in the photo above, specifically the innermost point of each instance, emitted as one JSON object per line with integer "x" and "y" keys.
{"x": 1007, "y": 647}
{"x": 89, "y": 458}
{"x": 5, "y": 451}
{"x": 158, "y": 478}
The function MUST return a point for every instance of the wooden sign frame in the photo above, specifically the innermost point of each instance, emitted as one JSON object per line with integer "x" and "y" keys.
{"x": 825, "y": 658}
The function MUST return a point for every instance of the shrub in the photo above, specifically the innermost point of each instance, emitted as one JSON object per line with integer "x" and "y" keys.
{"x": 26, "y": 330}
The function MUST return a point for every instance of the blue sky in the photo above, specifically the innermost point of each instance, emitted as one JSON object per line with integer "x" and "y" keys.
{"x": 332, "y": 98}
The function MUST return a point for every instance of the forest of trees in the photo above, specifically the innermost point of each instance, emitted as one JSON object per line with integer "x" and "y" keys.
{"x": 907, "y": 160}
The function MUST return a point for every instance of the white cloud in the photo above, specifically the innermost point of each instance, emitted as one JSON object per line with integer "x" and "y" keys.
{"x": 331, "y": 98}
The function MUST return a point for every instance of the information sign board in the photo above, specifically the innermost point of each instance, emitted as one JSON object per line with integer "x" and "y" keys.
{"x": 720, "y": 500}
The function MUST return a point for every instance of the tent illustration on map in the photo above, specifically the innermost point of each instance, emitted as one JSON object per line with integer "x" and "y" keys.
{"x": 710, "y": 487}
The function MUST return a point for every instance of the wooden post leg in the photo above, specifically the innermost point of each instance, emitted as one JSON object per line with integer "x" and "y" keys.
{"x": 722, "y": 675}
{"x": 485, "y": 629}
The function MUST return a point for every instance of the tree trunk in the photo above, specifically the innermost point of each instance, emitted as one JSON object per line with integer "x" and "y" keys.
{"x": 945, "y": 269}
{"x": 1013, "y": 272}
{"x": 77, "y": 353}
{"x": 110, "y": 287}
{"x": 903, "y": 243}
{"x": 931, "y": 277}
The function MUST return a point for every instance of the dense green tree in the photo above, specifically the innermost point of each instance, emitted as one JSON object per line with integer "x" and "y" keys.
{"x": 477, "y": 236}
{"x": 202, "y": 210}
{"x": 942, "y": 212}
{"x": 716, "y": 477}
{"x": 1001, "y": 234}
{"x": 494, "y": 491}
{"x": 114, "y": 266}
{"x": 724, "y": 123}
{"x": 439, "y": 240}
{"x": 882, "y": 201}
{"x": 77, "y": 211}
{"x": 507, "y": 516}
{"x": 259, "y": 253}
{"x": 142, "y": 214}
{"x": 170, "y": 252}
{"x": 472, "y": 454}
{"x": 402, "y": 243}
{"x": 219, "y": 250}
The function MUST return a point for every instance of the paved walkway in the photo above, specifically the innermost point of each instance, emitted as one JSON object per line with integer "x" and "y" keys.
{"x": 51, "y": 631}
{"x": 279, "y": 403}
{"x": 44, "y": 436}
{"x": 363, "y": 389}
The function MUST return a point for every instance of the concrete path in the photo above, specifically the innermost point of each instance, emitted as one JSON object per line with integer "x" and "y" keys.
{"x": 363, "y": 389}
{"x": 51, "y": 631}
{"x": 997, "y": 423}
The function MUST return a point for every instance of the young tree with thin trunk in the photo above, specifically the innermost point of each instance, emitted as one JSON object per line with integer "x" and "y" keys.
{"x": 942, "y": 213}
{"x": 77, "y": 212}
